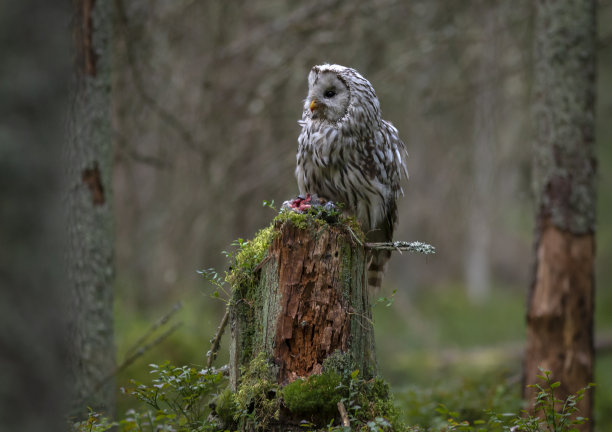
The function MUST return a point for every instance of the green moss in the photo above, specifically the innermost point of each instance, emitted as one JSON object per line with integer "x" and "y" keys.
{"x": 317, "y": 395}
{"x": 226, "y": 407}
{"x": 248, "y": 257}
{"x": 257, "y": 399}
{"x": 252, "y": 252}
{"x": 319, "y": 217}
{"x": 299, "y": 220}
{"x": 340, "y": 363}
{"x": 370, "y": 402}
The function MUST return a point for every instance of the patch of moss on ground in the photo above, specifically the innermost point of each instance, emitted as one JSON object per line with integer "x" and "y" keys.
{"x": 316, "y": 396}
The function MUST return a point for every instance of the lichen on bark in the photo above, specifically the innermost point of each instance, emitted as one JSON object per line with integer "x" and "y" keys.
{"x": 564, "y": 162}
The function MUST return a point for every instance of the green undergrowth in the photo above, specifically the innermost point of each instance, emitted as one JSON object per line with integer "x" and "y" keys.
{"x": 189, "y": 399}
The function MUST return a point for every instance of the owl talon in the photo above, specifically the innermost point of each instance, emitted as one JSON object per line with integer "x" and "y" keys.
{"x": 302, "y": 203}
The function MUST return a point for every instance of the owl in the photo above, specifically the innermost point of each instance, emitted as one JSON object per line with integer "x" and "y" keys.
{"x": 348, "y": 154}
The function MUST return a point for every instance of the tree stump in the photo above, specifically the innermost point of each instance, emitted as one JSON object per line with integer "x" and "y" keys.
{"x": 307, "y": 301}
{"x": 303, "y": 301}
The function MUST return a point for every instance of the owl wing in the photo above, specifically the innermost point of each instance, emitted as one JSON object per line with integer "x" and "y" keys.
{"x": 392, "y": 154}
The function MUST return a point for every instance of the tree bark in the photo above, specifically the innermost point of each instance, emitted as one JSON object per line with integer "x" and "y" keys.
{"x": 34, "y": 79}
{"x": 309, "y": 301}
{"x": 561, "y": 298}
{"x": 89, "y": 214}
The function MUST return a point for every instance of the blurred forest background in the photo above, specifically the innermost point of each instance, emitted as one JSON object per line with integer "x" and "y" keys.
{"x": 205, "y": 101}
{"x": 206, "y": 97}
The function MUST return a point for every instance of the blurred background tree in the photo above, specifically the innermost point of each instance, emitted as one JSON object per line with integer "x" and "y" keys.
{"x": 561, "y": 297}
{"x": 34, "y": 84}
{"x": 88, "y": 199}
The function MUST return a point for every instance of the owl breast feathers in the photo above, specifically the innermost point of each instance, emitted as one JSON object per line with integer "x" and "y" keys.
{"x": 348, "y": 154}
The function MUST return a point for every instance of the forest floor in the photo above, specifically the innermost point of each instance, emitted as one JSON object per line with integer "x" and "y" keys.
{"x": 434, "y": 347}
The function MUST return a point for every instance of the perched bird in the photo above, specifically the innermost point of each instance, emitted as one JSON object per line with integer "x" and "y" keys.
{"x": 348, "y": 154}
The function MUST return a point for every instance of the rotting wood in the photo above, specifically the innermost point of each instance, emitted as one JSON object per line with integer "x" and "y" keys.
{"x": 309, "y": 301}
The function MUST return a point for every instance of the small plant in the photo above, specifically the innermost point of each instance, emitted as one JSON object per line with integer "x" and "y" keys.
{"x": 386, "y": 301}
{"x": 552, "y": 414}
{"x": 269, "y": 204}
{"x": 95, "y": 423}
{"x": 180, "y": 397}
{"x": 369, "y": 405}
{"x": 220, "y": 290}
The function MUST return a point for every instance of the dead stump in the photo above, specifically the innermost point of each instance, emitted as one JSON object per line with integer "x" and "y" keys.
{"x": 300, "y": 300}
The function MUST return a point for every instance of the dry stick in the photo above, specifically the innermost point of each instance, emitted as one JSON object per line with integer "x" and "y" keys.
{"x": 343, "y": 415}
{"x": 216, "y": 341}
{"x": 160, "y": 322}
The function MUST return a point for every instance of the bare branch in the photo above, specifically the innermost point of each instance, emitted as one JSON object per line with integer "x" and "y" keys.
{"x": 343, "y": 414}
{"x": 216, "y": 341}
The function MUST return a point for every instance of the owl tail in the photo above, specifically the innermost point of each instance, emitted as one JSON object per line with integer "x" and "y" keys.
{"x": 376, "y": 269}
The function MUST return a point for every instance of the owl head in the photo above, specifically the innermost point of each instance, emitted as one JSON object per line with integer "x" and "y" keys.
{"x": 337, "y": 93}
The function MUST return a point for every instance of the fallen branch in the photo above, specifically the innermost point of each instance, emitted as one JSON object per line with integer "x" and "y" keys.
{"x": 343, "y": 415}
{"x": 400, "y": 246}
{"x": 216, "y": 341}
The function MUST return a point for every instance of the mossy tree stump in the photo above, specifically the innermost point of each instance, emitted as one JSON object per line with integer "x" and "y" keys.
{"x": 304, "y": 301}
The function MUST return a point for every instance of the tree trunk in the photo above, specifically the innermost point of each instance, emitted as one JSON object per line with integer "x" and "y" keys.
{"x": 89, "y": 214}
{"x": 483, "y": 158}
{"x": 561, "y": 298}
{"x": 307, "y": 302}
{"x": 34, "y": 77}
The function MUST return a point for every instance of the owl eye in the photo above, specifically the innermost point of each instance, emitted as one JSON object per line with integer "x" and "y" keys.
{"x": 329, "y": 93}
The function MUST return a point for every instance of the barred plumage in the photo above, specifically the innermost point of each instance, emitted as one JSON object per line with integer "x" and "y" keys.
{"x": 348, "y": 154}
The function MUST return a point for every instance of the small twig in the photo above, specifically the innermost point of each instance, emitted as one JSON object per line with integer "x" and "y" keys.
{"x": 159, "y": 323}
{"x": 359, "y": 242}
{"x": 399, "y": 246}
{"x": 262, "y": 263}
{"x": 343, "y": 414}
{"x": 216, "y": 341}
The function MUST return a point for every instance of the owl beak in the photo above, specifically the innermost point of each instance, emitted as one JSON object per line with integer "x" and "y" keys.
{"x": 313, "y": 105}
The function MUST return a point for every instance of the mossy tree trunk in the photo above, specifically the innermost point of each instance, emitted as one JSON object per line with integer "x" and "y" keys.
{"x": 305, "y": 302}
{"x": 561, "y": 298}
